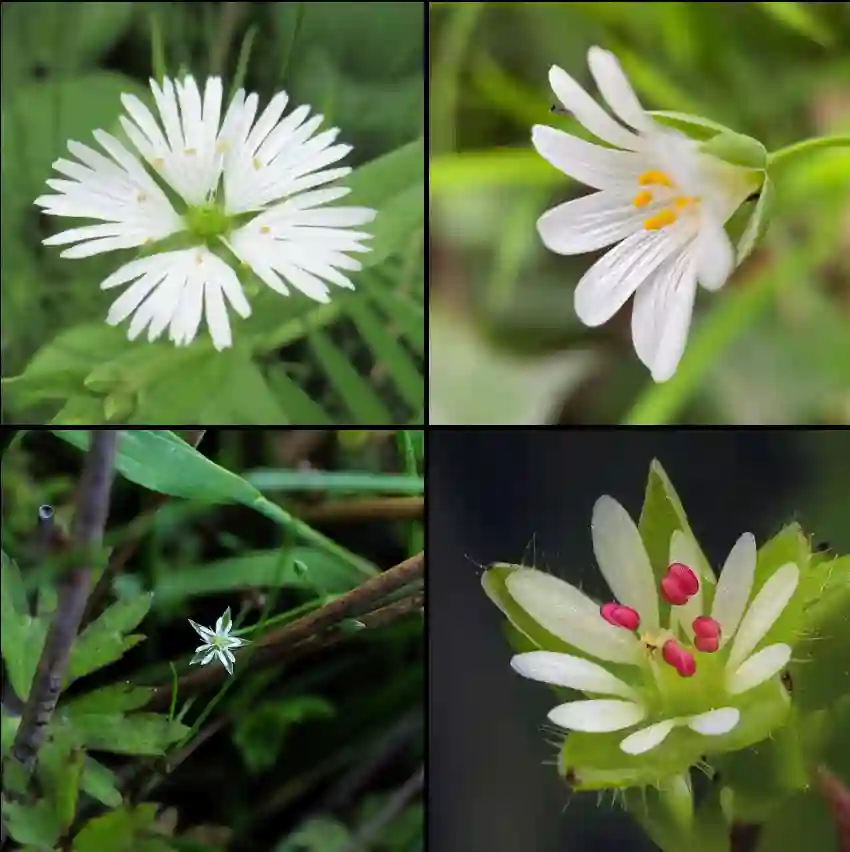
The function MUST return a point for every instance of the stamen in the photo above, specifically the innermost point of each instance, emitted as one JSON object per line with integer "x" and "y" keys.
{"x": 190, "y": 151}
{"x": 706, "y": 634}
{"x": 684, "y": 201}
{"x": 681, "y": 660}
{"x": 654, "y": 177}
{"x": 679, "y": 584}
{"x": 158, "y": 163}
{"x": 642, "y": 198}
{"x": 620, "y": 616}
{"x": 141, "y": 196}
{"x": 660, "y": 220}
{"x": 265, "y": 229}
{"x": 257, "y": 163}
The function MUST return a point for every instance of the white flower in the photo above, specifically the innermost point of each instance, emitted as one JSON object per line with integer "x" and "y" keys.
{"x": 630, "y": 633}
{"x": 659, "y": 197}
{"x": 217, "y": 643}
{"x": 242, "y": 187}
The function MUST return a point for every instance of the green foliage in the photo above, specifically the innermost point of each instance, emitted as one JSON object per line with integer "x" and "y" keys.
{"x": 261, "y": 733}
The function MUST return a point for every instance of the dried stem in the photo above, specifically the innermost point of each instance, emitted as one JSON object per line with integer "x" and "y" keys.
{"x": 385, "y": 509}
{"x": 86, "y": 537}
{"x": 139, "y": 529}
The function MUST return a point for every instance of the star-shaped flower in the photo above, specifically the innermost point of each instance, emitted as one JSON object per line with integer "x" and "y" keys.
{"x": 660, "y": 197}
{"x": 689, "y": 672}
{"x": 217, "y": 643}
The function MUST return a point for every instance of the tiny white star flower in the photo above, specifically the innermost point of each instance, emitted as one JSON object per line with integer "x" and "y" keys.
{"x": 238, "y": 189}
{"x": 629, "y": 632}
{"x": 217, "y": 643}
{"x": 660, "y": 198}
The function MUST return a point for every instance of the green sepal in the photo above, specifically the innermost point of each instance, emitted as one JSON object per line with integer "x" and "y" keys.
{"x": 591, "y": 761}
{"x": 759, "y": 219}
{"x": 665, "y": 812}
{"x": 737, "y": 150}
{"x": 694, "y": 126}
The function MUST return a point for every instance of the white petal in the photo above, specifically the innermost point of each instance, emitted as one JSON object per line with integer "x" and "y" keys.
{"x": 758, "y": 668}
{"x": 204, "y": 632}
{"x": 589, "y": 113}
{"x": 222, "y": 658}
{"x": 648, "y": 738}
{"x": 606, "y": 286}
{"x": 763, "y": 612}
{"x": 236, "y": 642}
{"x": 593, "y": 165}
{"x": 590, "y": 223}
{"x": 622, "y": 560}
{"x": 572, "y": 616}
{"x": 617, "y": 91}
{"x": 685, "y": 550}
{"x": 715, "y": 722}
{"x": 661, "y": 316}
{"x": 734, "y": 586}
{"x": 715, "y": 254}
{"x": 597, "y": 716}
{"x": 574, "y": 672}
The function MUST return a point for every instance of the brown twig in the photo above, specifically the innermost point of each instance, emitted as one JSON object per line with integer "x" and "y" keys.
{"x": 86, "y": 537}
{"x": 385, "y": 509}
{"x": 138, "y": 530}
{"x": 310, "y": 633}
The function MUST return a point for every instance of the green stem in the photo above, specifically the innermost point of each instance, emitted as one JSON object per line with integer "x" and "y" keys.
{"x": 791, "y": 151}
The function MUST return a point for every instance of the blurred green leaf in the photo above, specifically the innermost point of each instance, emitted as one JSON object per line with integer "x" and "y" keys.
{"x": 107, "y": 699}
{"x": 319, "y": 480}
{"x": 34, "y": 825}
{"x": 138, "y": 733}
{"x": 100, "y": 783}
{"x": 796, "y": 17}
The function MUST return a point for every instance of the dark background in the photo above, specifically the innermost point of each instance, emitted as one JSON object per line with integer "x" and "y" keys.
{"x": 527, "y": 495}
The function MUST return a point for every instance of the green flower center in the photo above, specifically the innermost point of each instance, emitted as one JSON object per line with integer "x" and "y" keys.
{"x": 207, "y": 221}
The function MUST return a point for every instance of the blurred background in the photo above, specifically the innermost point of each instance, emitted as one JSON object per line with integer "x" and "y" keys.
{"x": 64, "y": 68}
{"x": 772, "y": 347}
{"x": 527, "y": 497}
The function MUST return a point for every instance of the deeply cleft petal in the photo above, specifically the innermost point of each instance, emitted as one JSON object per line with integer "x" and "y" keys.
{"x": 572, "y": 616}
{"x": 597, "y": 715}
{"x": 573, "y": 672}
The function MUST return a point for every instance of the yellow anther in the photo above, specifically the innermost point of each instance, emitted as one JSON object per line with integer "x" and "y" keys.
{"x": 654, "y": 177}
{"x": 660, "y": 220}
{"x": 642, "y": 198}
{"x": 158, "y": 163}
{"x": 222, "y": 147}
{"x": 265, "y": 229}
{"x": 190, "y": 151}
{"x": 141, "y": 196}
{"x": 198, "y": 259}
{"x": 257, "y": 163}
{"x": 684, "y": 201}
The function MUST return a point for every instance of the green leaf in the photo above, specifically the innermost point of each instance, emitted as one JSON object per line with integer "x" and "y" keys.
{"x": 100, "y": 783}
{"x": 58, "y": 370}
{"x": 300, "y": 408}
{"x": 796, "y": 17}
{"x": 362, "y": 401}
{"x": 803, "y": 822}
{"x": 32, "y": 825}
{"x": 260, "y": 733}
{"x": 318, "y": 834}
{"x": 394, "y": 186}
{"x": 335, "y": 483}
{"x": 261, "y": 569}
{"x": 104, "y": 640}
{"x": 113, "y": 831}
{"x": 108, "y": 699}
{"x": 8, "y": 729}
{"x": 138, "y": 733}
{"x": 737, "y": 149}
{"x": 161, "y": 461}
{"x": 392, "y": 357}
{"x": 694, "y": 126}
{"x": 23, "y": 636}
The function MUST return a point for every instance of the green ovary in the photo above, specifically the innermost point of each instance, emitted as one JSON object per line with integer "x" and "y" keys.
{"x": 207, "y": 221}
{"x": 669, "y": 694}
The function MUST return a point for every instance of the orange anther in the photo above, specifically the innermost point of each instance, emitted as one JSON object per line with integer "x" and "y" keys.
{"x": 642, "y": 198}
{"x": 654, "y": 177}
{"x": 660, "y": 220}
